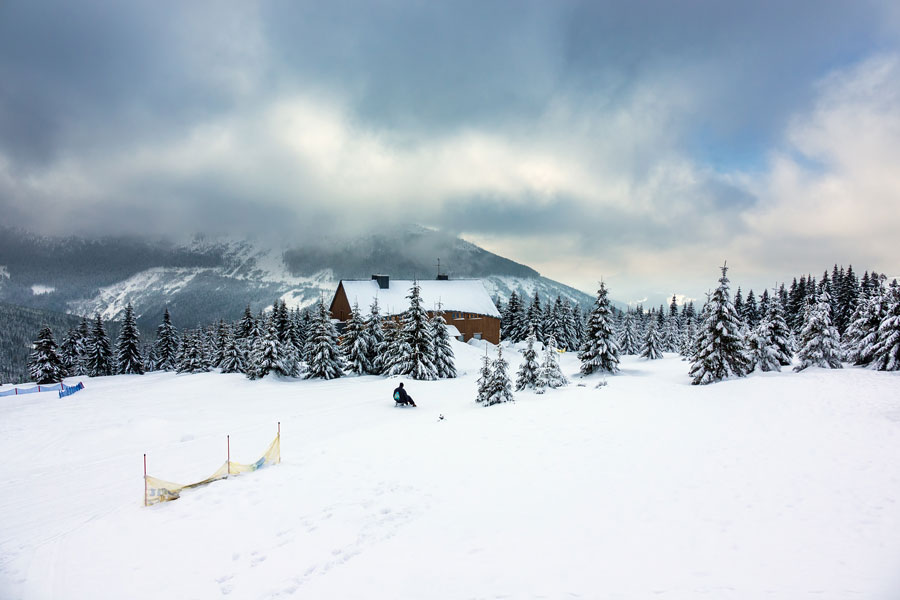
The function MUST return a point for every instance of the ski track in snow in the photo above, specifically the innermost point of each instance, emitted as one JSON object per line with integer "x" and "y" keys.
{"x": 774, "y": 486}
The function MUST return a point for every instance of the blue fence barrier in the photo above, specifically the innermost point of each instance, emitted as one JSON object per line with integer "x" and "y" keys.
{"x": 63, "y": 389}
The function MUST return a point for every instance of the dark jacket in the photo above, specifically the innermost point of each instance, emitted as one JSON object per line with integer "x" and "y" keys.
{"x": 404, "y": 397}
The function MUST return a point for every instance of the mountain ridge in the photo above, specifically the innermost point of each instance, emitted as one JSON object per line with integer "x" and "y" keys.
{"x": 207, "y": 278}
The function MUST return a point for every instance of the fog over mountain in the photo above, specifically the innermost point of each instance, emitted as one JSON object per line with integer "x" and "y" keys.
{"x": 215, "y": 278}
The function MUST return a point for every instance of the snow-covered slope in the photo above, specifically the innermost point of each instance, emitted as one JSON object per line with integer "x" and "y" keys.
{"x": 779, "y": 486}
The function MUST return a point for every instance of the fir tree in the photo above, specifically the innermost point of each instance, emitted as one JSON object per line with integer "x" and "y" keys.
{"x": 484, "y": 379}
{"x": 763, "y": 349}
{"x": 355, "y": 344}
{"x": 672, "y": 334}
{"x": 848, "y": 298}
{"x": 192, "y": 358}
{"x": 128, "y": 354}
{"x": 99, "y": 352}
{"x": 535, "y": 318}
{"x": 45, "y": 364}
{"x": 862, "y": 333}
{"x": 599, "y": 350}
{"x": 764, "y": 303}
{"x": 819, "y": 342}
{"x": 415, "y": 356}
{"x": 778, "y": 334}
{"x": 247, "y": 326}
{"x": 720, "y": 350}
{"x": 549, "y": 373}
{"x": 751, "y": 311}
{"x": 570, "y": 330}
{"x": 376, "y": 340}
{"x": 687, "y": 339}
{"x": 629, "y": 338}
{"x": 166, "y": 348}
{"x": 499, "y": 388}
{"x": 886, "y": 351}
{"x": 443, "y": 350}
{"x": 651, "y": 349}
{"x": 74, "y": 349}
{"x": 233, "y": 360}
{"x": 323, "y": 358}
{"x": 508, "y": 318}
{"x": 527, "y": 375}
{"x": 267, "y": 355}
{"x": 389, "y": 351}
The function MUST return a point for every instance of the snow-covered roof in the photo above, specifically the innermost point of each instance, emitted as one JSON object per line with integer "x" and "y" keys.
{"x": 460, "y": 295}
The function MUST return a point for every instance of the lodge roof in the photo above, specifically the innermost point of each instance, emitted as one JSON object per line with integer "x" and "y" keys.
{"x": 461, "y": 295}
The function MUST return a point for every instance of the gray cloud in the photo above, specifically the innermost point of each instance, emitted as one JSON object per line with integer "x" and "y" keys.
{"x": 627, "y": 128}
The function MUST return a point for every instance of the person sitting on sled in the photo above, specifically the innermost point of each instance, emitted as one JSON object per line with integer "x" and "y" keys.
{"x": 401, "y": 397}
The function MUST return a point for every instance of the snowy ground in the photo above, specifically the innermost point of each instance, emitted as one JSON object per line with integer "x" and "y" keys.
{"x": 775, "y": 486}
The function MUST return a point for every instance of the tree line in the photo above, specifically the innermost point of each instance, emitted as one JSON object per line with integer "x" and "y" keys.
{"x": 286, "y": 342}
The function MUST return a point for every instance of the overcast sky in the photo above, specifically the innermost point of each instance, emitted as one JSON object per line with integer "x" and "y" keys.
{"x": 640, "y": 142}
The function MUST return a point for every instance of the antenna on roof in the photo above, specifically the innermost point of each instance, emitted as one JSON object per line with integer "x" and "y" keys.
{"x": 440, "y": 277}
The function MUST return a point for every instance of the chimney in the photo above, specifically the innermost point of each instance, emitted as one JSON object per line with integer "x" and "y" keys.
{"x": 384, "y": 281}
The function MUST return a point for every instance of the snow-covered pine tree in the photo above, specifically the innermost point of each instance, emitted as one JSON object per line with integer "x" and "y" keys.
{"x": 416, "y": 349}
{"x": 443, "y": 350}
{"x": 778, "y": 332}
{"x": 232, "y": 354}
{"x": 570, "y": 333}
{"x": 499, "y": 388}
{"x": 99, "y": 352}
{"x": 651, "y": 349}
{"x": 762, "y": 347}
{"x": 166, "y": 348}
{"x": 192, "y": 358}
{"x": 389, "y": 351}
{"x": 886, "y": 351}
{"x": 535, "y": 318}
{"x": 819, "y": 342}
{"x": 45, "y": 364}
{"x": 751, "y": 311}
{"x": 600, "y": 352}
{"x": 673, "y": 334}
{"x": 549, "y": 373}
{"x": 128, "y": 353}
{"x": 72, "y": 350}
{"x": 554, "y": 324}
{"x": 268, "y": 353}
{"x": 688, "y": 335}
{"x": 355, "y": 344}
{"x": 484, "y": 378}
{"x": 527, "y": 375}
{"x": 323, "y": 356}
{"x": 282, "y": 319}
{"x": 720, "y": 350}
{"x": 862, "y": 333}
{"x": 509, "y": 317}
{"x": 375, "y": 339}
{"x": 247, "y": 326}
{"x": 629, "y": 338}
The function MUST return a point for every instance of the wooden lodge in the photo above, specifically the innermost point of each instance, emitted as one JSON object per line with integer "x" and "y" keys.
{"x": 467, "y": 307}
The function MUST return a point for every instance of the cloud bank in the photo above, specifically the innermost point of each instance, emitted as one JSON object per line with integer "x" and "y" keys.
{"x": 642, "y": 144}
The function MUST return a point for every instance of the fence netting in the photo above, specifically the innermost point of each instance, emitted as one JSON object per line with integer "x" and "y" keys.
{"x": 159, "y": 490}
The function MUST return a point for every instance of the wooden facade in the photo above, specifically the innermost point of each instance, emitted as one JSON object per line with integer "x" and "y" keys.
{"x": 470, "y": 324}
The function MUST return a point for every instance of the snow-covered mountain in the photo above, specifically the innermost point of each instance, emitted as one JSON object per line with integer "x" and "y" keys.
{"x": 208, "y": 279}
